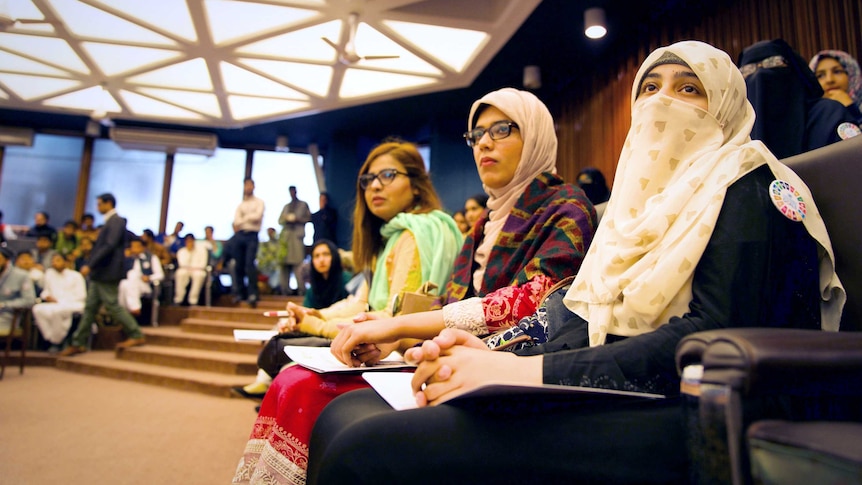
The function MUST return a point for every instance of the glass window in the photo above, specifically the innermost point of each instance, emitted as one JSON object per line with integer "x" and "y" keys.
{"x": 135, "y": 177}
{"x": 273, "y": 173}
{"x": 42, "y": 177}
{"x": 205, "y": 191}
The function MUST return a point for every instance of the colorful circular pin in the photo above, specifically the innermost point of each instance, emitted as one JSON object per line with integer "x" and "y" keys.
{"x": 787, "y": 200}
{"x": 848, "y": 130}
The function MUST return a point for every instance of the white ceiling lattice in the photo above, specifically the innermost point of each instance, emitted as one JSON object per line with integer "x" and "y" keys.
{"x": 231, "y": 63}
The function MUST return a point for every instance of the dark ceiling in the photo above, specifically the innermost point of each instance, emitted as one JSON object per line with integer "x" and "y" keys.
{"x": 552, "y": 38}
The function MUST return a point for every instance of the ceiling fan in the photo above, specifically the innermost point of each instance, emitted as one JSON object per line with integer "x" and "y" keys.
{"x": 347, "y": 54}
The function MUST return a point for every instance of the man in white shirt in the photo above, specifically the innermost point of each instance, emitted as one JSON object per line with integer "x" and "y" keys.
{"x": 143, "y": 269}
{"x": 63, "y": 294}
{"x": 192, "y": 260}
{"x": 243, "y": 246}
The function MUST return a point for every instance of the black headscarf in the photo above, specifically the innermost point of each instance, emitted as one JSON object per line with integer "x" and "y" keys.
{"x": 593, "y": 183}
{"x": 326, "y": 291}
{"x": 791, "y": 114}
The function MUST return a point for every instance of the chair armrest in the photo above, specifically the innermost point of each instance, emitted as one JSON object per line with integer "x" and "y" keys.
{"x": 769, "y": 361}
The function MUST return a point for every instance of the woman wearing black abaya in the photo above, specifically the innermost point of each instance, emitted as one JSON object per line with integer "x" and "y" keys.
{"x": 792, "y": 116}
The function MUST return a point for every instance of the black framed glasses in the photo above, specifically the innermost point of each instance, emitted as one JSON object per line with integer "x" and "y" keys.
{"x": 768, "y": 63}
{"x": 497, "y": 131}
{"x": 385, "y": 176}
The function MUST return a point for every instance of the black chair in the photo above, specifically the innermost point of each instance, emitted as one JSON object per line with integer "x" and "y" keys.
{"x": 785, "y": 406}
{"x": 20, "y": 330}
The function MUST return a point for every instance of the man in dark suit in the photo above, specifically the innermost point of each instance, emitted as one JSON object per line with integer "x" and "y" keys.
{"x": 105, "y": 268}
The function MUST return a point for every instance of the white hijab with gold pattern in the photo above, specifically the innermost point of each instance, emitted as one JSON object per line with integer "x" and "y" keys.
{"x": 674, "y": 170}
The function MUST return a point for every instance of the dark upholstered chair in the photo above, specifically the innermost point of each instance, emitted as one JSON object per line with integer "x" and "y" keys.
{"x": 785, "y": 406}
{"x": 21, "y": 323}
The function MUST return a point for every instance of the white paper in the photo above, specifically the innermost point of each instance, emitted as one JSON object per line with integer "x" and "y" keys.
{"x": 320, "y": 359}
{"x": 241, "y": 335}
{"x": 395, "y": 388}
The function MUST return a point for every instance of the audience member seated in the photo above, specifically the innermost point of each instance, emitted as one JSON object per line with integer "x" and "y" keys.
{"x": 63, "y": 294}
{"x": 43, "y": 252}
{"x": 6, "y": 232}
{"x": 792, "y": 115}
{"x": 592, "y": 181}
{"x": 81, "y": 254}
{"x": 691, "y": 240}
{"x": 192, "y": 262}
{"x": 214, "y": 246}
{"x": 839, "y": 76}
{"x": 173, "y": 241}
{"x": 88, "y": 228}
{"x": 528, "y": 244}
{"x": 67, "y": 239}
{"x": 25, "y": 262}
{"x": 474, "y": 207}
{"x": 459, "y": 218}
{"x": 41, "y": 227}
{"x": 328, "y": 285}
{"x": 267, "y": 258}
{"x": 143, "y": 269}
{"x": 155, "y": 248}
{"x": 16, "y": 290}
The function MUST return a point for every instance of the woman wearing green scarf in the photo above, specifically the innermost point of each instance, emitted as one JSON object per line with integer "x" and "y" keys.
{"x": 402, "y": 237}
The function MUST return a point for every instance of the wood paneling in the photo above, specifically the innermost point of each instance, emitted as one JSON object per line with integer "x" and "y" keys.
{"x": 593, "y": 120}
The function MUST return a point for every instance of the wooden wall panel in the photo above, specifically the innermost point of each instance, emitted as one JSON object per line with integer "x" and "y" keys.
{"x": 593, "y": 120}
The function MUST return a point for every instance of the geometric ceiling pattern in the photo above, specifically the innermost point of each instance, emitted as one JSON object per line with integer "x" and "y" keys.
{"x": 233, "y": 63}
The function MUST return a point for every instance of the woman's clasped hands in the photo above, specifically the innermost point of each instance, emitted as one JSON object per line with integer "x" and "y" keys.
{"x": 456, "y": 362}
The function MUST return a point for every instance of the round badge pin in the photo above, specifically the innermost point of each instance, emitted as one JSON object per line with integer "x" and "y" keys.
{"x": 787, "y": 200}
{"x": 848, "y": 130}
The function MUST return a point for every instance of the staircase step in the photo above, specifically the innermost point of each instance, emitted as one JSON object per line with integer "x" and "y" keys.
{"x": 174, "y": 336}
{"x": 233, "y": 314}
{"x": 104, "y": 363}
{"x": 201, "y": 360}
{"x": 220, "y": 327}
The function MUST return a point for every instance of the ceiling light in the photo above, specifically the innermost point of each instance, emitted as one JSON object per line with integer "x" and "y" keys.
{"x": 594, "y": 23}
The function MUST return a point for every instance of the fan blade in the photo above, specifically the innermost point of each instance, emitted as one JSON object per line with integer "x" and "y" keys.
{"x": 375, "y": 58}
{"x": 32, "y": 21}
{"x": 332, "y": 44}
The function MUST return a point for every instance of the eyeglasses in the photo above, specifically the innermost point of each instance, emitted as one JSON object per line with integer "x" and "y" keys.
{"x": 768, "y": 63}
{"x": 496, "y": 131}
{"x": 385, "y": 177}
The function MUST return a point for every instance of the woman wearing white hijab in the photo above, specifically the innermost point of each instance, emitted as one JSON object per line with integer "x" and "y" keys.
{"x": 691, "y": 241}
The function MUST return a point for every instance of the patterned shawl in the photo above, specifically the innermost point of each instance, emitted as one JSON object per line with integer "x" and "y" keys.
{"x": 546, "y": 233}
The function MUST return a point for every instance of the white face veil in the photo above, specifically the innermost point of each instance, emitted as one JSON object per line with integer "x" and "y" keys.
{"x": 674, "y": 170}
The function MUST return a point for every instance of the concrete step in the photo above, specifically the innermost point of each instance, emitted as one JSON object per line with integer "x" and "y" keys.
{"x": 201, "y": 360}
{"x": 174, "y": 336}
{"x": 104, "y": 363}
{"x": 220, "y": 327}
{"x": 244, "y": 315}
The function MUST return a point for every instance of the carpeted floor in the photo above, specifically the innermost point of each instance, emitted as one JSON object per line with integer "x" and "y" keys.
{"x": 69, "y": 428}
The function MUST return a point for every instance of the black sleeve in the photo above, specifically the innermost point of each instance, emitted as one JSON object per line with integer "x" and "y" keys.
{"x": 758, "y": 269}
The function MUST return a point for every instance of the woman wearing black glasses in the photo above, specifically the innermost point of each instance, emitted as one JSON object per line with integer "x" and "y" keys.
{"x": 535, "y": 234}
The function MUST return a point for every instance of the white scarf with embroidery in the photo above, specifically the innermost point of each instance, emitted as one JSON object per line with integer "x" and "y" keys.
{"x": 674, "y": 170}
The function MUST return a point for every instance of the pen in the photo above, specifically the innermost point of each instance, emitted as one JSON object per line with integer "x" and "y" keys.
{"x": 278, "y": 314}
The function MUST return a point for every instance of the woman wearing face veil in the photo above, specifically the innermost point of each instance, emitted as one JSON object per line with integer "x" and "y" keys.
{"x": 792, "y": 115}
{"x": 690, "y": 241}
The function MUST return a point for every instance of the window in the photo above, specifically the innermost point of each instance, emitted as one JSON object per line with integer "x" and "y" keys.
{"x": 135, "y": 177}
{"x": 42, "y": 177}
{"x": 205, "y": 191}
{"x": 273, "y": 173}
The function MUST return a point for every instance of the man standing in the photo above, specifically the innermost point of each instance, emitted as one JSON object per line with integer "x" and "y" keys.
{"x": 63, "y": 294}
{"x": 325, "y": 220}
{"x": 16, "y": 290}
{"x": 293, "y": 218}
{"x": 246, "y": 226}
{"x": 105, "y": 269}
